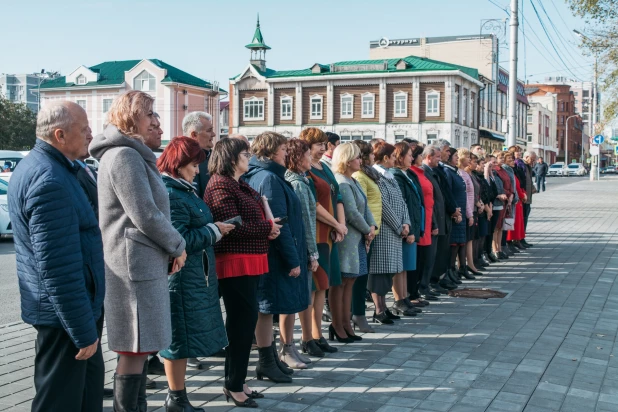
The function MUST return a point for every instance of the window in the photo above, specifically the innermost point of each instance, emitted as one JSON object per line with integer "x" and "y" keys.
{"x": 316, "y": 107}
{"x": 347, "y": 106}
{"x": 457, "y": 103}
{"x": 399, "y": 137}
{"x": 253, "y": 109}
{"x": 529, "y": 137}
{"x": 107, "y": 103}
{"x": 529, "y": 118}
{"x": 286, "y": 108}
{"x": 144, "y": 82}
{"x": 464, "y": 118}
{"x": 81, "y": 79}
{"x": 82, "y": 103}
{"x": 431, "y": 138}
{"x": 472, "y": 116}
{"x": 586, "y": 93}
{"x": 368, "y": 102}
{"x": 401, "y": 104}
{"x": 433, "y": 103}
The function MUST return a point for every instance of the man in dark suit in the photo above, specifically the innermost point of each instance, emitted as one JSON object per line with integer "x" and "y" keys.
{"x": 198, "y": 125}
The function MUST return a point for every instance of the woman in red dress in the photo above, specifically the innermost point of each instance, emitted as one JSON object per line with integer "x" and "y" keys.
{"x": 519, "y": 231}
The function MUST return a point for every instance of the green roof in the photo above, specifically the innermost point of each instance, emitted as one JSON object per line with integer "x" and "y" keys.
{"x": 112, "y": 73}
{"x": 258, "y": 40}
{"x": 413, "y": 64}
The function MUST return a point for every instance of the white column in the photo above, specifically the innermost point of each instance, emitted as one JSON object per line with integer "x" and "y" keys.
{"x": 330, "y": 103}
{"x": 449, "y": 85}
{"x": 383, "y": 97}
{"x": 271, "y": 105}
{"x": 236, "y": 108}
{"x": 416, "y": 101}
{"x": 299, "y": 104}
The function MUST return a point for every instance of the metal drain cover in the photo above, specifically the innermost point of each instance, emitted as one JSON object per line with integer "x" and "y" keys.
{"x": 476, "y": 293}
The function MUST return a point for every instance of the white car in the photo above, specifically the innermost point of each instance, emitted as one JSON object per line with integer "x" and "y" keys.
{"x": 576, "y": 169}
{"x": 557, "y": 169}
{"x": 92, "y": 162}
{"x": 9, "y": 159}
{"x": 5, "y": 220}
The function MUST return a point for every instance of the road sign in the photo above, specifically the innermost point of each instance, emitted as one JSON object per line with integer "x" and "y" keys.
{"x": 594, "y": 150}
{"x": 504, "y": 148}
{"x": 598, "y": 139}
{"x": 616, "y": 150}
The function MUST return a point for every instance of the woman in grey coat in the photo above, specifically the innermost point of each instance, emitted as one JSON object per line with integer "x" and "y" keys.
{"x": 138, "y": 242}
{"x": 361, "y": 231}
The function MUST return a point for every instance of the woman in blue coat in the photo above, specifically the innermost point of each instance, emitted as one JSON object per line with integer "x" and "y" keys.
{"x": 197, "y": 323}
{"x": 457, "y": 187}
{"x": 283, "y": 290}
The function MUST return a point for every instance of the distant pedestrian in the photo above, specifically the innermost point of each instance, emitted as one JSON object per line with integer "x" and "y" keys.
{"x": 540, "y": 170}
{"x": 60, "y": 263}
{"x": 139, "y": 243}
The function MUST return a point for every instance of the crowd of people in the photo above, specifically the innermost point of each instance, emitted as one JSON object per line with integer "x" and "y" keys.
{"x": 308, "y": 227}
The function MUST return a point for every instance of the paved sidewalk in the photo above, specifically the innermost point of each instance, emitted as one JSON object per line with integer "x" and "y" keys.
{"x": 549, "y": 345}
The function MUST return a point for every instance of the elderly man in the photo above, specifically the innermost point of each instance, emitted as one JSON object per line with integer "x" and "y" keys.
{"x": 60, "y": 265}
{"x": 240, "y": 137}
{"x": 198, "y": 125}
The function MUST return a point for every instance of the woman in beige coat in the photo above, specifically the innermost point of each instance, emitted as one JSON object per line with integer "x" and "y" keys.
{"x": 138, "y": 243}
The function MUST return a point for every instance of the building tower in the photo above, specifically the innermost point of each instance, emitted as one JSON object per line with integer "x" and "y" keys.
{"x": 258, "y": 48}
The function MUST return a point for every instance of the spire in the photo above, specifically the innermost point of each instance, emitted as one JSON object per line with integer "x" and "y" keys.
{"x": 258, "y": 40}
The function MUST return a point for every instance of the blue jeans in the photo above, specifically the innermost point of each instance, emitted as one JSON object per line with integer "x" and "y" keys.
{"x": 540, "y": 182}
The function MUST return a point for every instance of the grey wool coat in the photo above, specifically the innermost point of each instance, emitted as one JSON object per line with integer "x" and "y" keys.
{"x": 358, "y": 219}
{"x": 138, "y": 239}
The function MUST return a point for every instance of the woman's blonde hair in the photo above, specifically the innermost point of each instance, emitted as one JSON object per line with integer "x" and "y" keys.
{"x": 343, "y": 154}
{"x": 127, "y": 108}
{"x": 462, "y": 152}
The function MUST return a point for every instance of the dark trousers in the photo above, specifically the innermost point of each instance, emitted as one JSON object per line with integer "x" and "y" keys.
{"x": 540, "y": 183}
{"x": 359, "y": 291}
{"x": 425, "y": 261}
{"x": 443, "y": 257}
{"x": 241, "y": 307}
{"x": 63, "y": 383}
{"x": 526, "y": 215}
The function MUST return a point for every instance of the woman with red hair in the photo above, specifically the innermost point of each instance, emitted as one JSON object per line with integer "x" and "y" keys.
{"x": 197, "y": 323}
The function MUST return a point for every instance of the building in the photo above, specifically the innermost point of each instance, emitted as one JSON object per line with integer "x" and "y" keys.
{"x": 224, "y": 119}
{"x": 541, "y": 120}
{"x": 176, "y": 92}
{"x": 481, "y": 52}
{"x": 583, "y": 93}
{"x": 21, "y": 88}
{"x": 568, "y": 123}
{"x": 413, "y": 97}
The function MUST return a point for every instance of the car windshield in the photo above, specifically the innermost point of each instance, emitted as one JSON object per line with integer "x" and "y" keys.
{"x": 4, "y": 187}
{"x": 8, "y": 164}
{"x": 573, "y": 166}
{"x": 556, "y": 166}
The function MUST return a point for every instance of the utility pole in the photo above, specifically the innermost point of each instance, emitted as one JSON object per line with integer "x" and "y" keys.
{"x": 513, "y": 76}
{"x": 596, "y": 164}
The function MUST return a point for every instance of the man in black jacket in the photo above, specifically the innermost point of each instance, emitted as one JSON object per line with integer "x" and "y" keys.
{"x": 198, "y": 125}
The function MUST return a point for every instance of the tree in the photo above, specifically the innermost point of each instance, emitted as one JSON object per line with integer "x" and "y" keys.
{"x": 17, "y": 126}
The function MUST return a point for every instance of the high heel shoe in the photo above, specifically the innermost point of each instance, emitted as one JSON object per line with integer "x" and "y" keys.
{"x": 474, "y": 272}
{"x": 464, "y": 272}
{"x": 361, "y": 323}
{"x": 353, "y": 337}
{"x": 323, "y": 344}
{"x": 332, "y": 335}
{"x": 382, "y": 318}
{"x": 391, "y": 315}
{"x": 247, "y": 403}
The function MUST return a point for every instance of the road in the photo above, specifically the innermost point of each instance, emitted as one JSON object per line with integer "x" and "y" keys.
{"x": 9, "y": 292}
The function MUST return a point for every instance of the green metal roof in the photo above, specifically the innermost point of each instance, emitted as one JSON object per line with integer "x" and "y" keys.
{"x": 112, "y": 73}
{"x": 258, "y": 40}
{"x": 414, "y": 64}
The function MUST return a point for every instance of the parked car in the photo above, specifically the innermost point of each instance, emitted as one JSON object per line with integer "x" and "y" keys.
{"x": 557, "y": 169}
{"x": 9, "y": 159}
{"x": 576, "y": 169}
{"x": 92, "y": 162}
{"x": 5, "y": 220}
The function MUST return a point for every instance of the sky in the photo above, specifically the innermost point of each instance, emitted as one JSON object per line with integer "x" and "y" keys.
{"x": 207, "y": 38}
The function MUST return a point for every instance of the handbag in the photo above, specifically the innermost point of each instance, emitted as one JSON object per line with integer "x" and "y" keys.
{"x": 509, "y": 220}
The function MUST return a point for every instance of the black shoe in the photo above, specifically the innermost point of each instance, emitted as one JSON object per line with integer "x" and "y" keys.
{"x": 150, "y": 384}
{"x": 267, "y": 367}
{"x": 401, "y": 308}
{"x": 155, "y": 366}
{"x": 247, "y": 403}
{"x": 439, "y": 289}
{"x": 486, "y": 261}
{"x": 311, "y": 348}
{"x": 447, "y": 284}
{"x": 125, "y": 388}
{"x": 502, "y": 255}
{"x": 518, "y": 245}
{"x": 474, "y": 272}
{"x": 391, "y": 315}
{"x": 464, "y": 273}
{"x": 493, "y": 257}
{"x": 427, "y": 292}
{"x": 382, "y": 318}
{"x": 430, "y": 297}
{"x": 526, "y": 244}
{"x": 326, "y": 315}
{"x": 195, "y": 363}
{"x": 452, "y": 276}
{"x": 368, "y": 297}
{"x": 177, "y": 401}
{"x": 332, "y": 335}
{"x": 108, "y": 393}
{"x": 281, "y": 365}
{"x": 355, "y": 338}
{"x": 323, "y": 344}
{"x": 514, "y": 249}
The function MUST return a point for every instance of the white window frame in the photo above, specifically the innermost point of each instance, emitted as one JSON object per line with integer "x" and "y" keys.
{"x": 399, "y": 95}
{"x": 529, "y": 118}
{"x": 144, "y": 80}
{"x": 284, "y": 101}
{"x": 471, "y": 112}
{"x": 109, "y": 106}
{"x": 253, "y": 101}
{"x": 82, "y": 103}
{"x": 347, "y": 106}
{"x": 457, "y": 108}
{"x": 81, "y": 80}
{"x": 464, "y": 114}
{"x": 435, "y": 111}
{"x": 317, "y": 114}
{"x": 371, "y": 100}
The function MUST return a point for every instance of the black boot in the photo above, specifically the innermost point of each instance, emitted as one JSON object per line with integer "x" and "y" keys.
{"x": 464, "y": 272}
{"x": 452, "y": 275}
{"x": 126, "y": 389}
{"x": 267, "y": 367}
{"x": 401, "y": 308}
{"x": 282, "y": 365}
{"x": 142, "y": 404}
{"x": 177, "y": 401}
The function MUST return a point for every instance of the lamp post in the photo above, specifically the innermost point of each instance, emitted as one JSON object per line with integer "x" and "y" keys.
{"x": 566, "y": 141}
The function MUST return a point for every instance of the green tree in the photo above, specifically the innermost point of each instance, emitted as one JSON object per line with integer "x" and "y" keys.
{"x": 17, "y": 126}
{"x": 602, "y": 41}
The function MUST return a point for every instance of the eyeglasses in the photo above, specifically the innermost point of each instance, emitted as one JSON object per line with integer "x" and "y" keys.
{"x": 246, "y": 154}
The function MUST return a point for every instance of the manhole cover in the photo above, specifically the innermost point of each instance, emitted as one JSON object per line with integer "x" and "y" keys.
{"x": 476, "y": 293}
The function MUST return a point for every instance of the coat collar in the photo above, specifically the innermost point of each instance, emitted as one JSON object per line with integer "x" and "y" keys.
{"x": 177, "y": 183}
{"x": 112, "y": 137}
{"x": 49, "y": 150}
{"x": 255, "y": 164}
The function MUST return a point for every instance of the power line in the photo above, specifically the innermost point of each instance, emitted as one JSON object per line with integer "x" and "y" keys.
{"x": 504, "y": 9}
{"x": 523, "y": 30}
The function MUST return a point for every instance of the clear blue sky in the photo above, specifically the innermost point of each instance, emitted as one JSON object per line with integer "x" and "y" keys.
{"x": 207, "y": 38}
